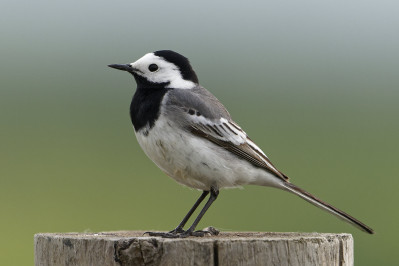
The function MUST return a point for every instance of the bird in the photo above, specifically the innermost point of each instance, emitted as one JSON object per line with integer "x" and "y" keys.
{"x": 188, "y": 133}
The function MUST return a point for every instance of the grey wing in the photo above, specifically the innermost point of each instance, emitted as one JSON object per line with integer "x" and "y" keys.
{"x": 197, "y": 99}
{"x": 203, "y": 115}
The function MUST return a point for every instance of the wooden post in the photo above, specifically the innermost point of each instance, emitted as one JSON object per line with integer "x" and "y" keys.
{"x": 229, "y": 248}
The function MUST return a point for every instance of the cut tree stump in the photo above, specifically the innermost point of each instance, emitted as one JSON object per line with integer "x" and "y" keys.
{"x": 227, "y": 248}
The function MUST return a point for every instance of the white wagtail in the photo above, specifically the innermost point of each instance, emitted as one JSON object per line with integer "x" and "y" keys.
{"x": 190, "y": 135}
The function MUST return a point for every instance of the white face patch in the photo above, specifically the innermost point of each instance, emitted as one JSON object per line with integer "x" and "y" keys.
{"x": 166, "y": 73}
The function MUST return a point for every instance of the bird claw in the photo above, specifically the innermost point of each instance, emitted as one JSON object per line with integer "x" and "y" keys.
{"x": 180, "y": 233}
{"x": 177, "y": 231}
{"x": 163, "y": 234}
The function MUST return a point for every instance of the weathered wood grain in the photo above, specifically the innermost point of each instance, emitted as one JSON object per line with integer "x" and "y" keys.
{"x": 248, "y": 248}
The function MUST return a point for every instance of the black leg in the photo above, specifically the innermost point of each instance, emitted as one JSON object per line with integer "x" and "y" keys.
{"x": 190, "y": 231}
{"x": 179, "y": 228}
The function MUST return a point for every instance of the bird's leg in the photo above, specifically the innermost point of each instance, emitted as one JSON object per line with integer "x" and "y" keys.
{"x": 190, "y": 231}
{"x": 179, "y": 228}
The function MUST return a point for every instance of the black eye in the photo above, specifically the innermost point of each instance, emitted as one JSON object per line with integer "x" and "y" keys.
{"x": 153, "y": 67}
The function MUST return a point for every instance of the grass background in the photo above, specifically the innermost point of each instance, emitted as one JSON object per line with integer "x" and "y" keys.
{"x": 315, "y": 84}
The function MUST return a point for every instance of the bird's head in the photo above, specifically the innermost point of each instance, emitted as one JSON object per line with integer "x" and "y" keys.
{"x": 165, "y": 67}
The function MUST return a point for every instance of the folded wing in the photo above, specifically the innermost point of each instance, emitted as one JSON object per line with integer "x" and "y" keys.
{"x": 216, "y": 126}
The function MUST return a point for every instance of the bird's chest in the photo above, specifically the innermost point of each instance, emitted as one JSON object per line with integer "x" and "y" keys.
{"x": 166, "y": 147}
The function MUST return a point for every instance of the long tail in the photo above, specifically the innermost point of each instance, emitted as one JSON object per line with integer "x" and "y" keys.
{"x": 325, "y": 206}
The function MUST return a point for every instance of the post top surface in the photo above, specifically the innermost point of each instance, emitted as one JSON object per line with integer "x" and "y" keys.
{"x": 222, "y": 236}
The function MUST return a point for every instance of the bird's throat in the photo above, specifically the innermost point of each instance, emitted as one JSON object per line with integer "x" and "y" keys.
{"x": 145, "y": 106}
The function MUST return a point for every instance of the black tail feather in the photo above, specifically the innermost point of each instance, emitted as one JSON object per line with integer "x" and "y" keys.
{"x": 325, "y": 206}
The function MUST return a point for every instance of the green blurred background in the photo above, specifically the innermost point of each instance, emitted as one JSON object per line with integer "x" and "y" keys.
{"x": 314, "y": 83}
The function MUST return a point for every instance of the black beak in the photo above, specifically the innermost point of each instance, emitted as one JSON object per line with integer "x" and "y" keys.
{"x": 125, "y": 67}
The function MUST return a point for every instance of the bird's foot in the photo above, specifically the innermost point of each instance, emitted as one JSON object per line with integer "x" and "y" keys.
{"x": 177, "y": 230}
{"x": 200, "y": 233}
{"x": 180, "y": 233}
{"x": 163, "y": 234}
{"x": 171, "y": 234}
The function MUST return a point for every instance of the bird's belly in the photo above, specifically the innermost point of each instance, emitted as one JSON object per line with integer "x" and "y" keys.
{"x": 194, "y": 161}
